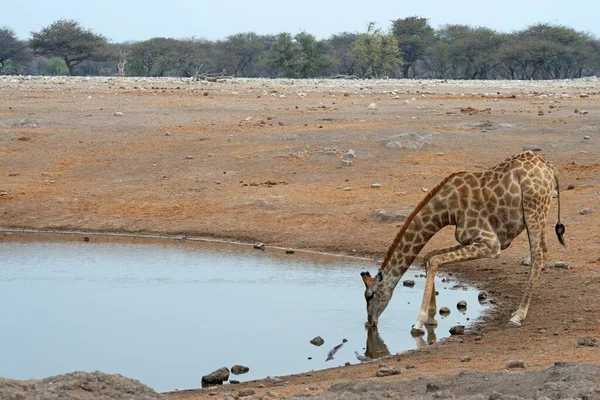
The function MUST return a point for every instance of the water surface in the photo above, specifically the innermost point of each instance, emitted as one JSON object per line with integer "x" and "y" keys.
{"x": 168, "y": 312}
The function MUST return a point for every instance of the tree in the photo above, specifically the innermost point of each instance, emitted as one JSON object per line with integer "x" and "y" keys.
{"x": 283, "y": 55}
{"x": 375, "y": 52}
{"x": 311, "y": 55}
{"x": 69, "y": 41}
{"x": 341, "y": 47}
{"x": 11, "y": 49}
{"x": 414, "y": 35}
{"x": 242, "y": 51}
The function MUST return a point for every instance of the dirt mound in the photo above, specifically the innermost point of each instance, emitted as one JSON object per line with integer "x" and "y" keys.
{"x": 77, "y": 386}
{"x": 563, "y": 380}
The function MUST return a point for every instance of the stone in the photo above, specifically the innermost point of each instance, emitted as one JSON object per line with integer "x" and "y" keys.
{"x": 347, "y": 163}
{"x": 372, "y": 106}
{"x": 457, "y": 330}
{"x": 385, "y": 371}
{"x": 376, "y": 185}
{"x": 583, "y": 111}
{"x": 482, "y": 295}
{"x": 408, "y": 283}
{"x": 275, "y": 380}
{"x": 246, "y": 392}
{"x": 444, "y": 311}
{"x": 289, "y": 251}
{"x": 383, "y": 216}
{"x": 586, "y": 137}
{"x": 349, "y": 154}
{"x": 526, "y": 261}
{"x": 234, "y": 382}
{"x": 216, "y": 377}
{"x": 461, "y": 304}
{"x": 189, "y": 157}
{"x": 317, "y": 341}
{"x": 585, "y": 211}
{"x": 239, "y": 369}
{"x": 259, "y": 246}
{"x": 118, "y": 114}
{"x": 465, "y": 359}
{"x": 561, "y": 264}
{"x": 515, "y": 364}
{"x": 532, "y": 148}
{"x": 587, "y": 341}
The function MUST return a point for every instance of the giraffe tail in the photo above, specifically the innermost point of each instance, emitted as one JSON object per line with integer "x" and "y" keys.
{"x": 559, "y": 228}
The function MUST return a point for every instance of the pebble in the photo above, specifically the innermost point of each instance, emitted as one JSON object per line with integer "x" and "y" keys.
{"x": 424, "y": 189}
{"x": 515, "y": 364}
{"x": 118, "y": 114}
{"x": 289, "y": 251}
{"x": 532, "y": 148}
{"x": 461, "y": 304}
{"x": 587, "y": 341}
{"x": 239, "y": 369}
{"x": 259, "y": 246}
{"x": 408, "y": 283}
{"x": 585, "y": 211}
{"x": 385, "y": 371}
{"x": 586, "y": 137}
{"x": 347, "y": 163}
{"x": 375, "y": 185}
{"x": 189, "y": 157}
{"x": 246, "y": 392}
{"x": 465, "y": 359}
{"x": 347, "y": 189}
{"x": 457, "y": 330}
{"x": 317, "y": 341}
{"x": 444, "y": 311}
{"x": 562, "y": 264}
{"x": 482, "y": 295}
{"x": 274, "y": 380}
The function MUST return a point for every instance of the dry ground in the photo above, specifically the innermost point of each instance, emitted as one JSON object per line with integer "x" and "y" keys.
{"x": 260, "y": 160}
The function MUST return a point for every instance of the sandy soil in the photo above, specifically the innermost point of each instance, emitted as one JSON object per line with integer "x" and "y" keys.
{"x": 260, "y": 160}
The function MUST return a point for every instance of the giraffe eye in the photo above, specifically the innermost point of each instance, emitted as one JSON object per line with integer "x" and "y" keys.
{"x": 370, "y": 296}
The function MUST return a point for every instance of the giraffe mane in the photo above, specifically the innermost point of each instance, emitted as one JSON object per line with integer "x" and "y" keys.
{"x": 411, "y": 217}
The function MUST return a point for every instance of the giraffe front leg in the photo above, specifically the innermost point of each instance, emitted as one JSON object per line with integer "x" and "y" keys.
{"x": 482, "y": 248}
{"x": 432, "y": 310}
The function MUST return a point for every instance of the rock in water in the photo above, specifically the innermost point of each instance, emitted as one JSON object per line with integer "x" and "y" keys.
{"x": 317, "y": 341}
{"x": 457, "y": 330}
{"x": 239, "y": 369}
{"x": 216, "y": 378}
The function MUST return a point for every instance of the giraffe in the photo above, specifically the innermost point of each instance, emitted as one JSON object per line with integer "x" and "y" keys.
{"x": 489, "y": 209}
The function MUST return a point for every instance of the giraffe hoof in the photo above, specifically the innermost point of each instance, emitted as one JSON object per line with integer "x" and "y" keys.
{"x": 416, "y": 332}
{"x": 514, "y": 324}
{"x": 431, "y": 322}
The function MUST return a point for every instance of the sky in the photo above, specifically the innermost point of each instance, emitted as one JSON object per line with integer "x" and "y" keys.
{"x": 135, "y": 20}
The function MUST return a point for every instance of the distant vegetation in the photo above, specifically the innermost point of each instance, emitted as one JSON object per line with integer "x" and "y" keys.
{"x": 410, "y": 48}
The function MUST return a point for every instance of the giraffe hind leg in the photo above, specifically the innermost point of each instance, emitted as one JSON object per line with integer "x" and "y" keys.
{"x": 535, "y": 220}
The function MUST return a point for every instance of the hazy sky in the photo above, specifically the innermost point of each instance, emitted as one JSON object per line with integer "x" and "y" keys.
{"x": 122, "y": 20}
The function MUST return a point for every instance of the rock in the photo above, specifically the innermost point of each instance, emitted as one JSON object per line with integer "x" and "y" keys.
{"x": 583, "y": 111}
{"x": 532, "y": 148}
{"x": 347, "y": 189}
{"x": 585, "y": 211}
{"x": 347, "y": 163}
{"x": 383, "y": 216}
{"x": 461, "y": 304}
{"x": 289, "y": 251}
{"x": 234, "y": 382}
{"x": 239, "y": 369}
{"x": 586, "y": 137}
{"x": 246, "y": 392}
{"x": 457, "y": 330}
{"x": 526, "y": 261}
{"x": 260, "y": 246}
{"x": 408, "y": 283}
{"x": 444, "y": 311}
{"x": 385, "y": 371}
{"x": 349, "y": 154}
{"x": 424, "y": 189}
{"x": 465, "y": 359}
{"x": 216, "y": 377}
{"x": 562, "y": 264}
{"x": 372, "y": 106}
{"x": 78, "y": 385}
{"x": 515, "y": 364}
{"x": 317, "y": 341}
{"x": 275, "y": 380}
{"x": 118, "y": 114}
{"x": 376, "y": 185}
{"x": 189, "y": 157}
{"x": 482, "y": 295}
{"x": 587, "y": 341}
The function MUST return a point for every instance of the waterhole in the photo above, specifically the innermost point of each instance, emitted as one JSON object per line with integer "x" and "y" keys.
{"x": 167, "y": 312}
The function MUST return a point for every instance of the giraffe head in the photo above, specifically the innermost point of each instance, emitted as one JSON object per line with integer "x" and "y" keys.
{"x": 377, "y": 295}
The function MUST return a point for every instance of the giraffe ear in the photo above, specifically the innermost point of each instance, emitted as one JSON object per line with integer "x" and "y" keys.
{"x": 379, "y": 276}
{"x": 367, "y": 279}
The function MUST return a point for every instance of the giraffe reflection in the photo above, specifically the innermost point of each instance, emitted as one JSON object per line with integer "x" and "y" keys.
{"x": 376, "y": 347}
{"x": 430, "y": 337}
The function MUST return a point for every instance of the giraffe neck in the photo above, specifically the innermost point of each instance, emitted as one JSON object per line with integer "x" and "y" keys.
{"x": 419, "y": 231}
{"x": 427, "y": 218}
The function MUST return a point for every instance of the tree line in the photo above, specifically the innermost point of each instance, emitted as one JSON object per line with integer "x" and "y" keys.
{"x": 410, "y": 48}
